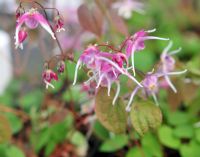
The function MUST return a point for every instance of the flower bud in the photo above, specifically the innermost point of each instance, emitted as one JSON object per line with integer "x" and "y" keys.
{"x": 61, "y": 66}
{"x": 47, "y": 76}
{"x": 19, "y": 12}
{"x": 22, "y": 35}
{"x": 59, "y": 23}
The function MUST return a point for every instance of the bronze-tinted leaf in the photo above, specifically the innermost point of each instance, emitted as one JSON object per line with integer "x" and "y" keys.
{"x": 112, "y": 117}
{"x": 5, "y": 129}
{"x": 118, "y": 23}
{"x": 91, "y": 20}
{"x": 144, "y": 116}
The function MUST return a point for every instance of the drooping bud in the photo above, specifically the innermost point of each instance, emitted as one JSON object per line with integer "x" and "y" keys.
{"x": 59, "y": 23}
{"x": 61, "y": 66}
{"x": 19, "y": 12}
{"x": 47, "y": 76}
{"x": 22, "y": 35}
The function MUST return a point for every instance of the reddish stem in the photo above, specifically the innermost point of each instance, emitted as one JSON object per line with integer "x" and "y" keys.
{"x": 109, "y": 46}
{"x": 124, "y": 43}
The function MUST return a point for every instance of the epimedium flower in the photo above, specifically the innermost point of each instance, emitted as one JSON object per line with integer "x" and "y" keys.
{"x": 32, "y": 19}
{"x": 47, "y": 76}
{"x": 137, "y": 43}
{"x": 59, "y": 23}
{"x": 150, "y": 88}
{"x": 126, "y": 7}
{"x": 105, "y": 68}
{"x": 167, "y": 65}
{"x": 22, "y": 35}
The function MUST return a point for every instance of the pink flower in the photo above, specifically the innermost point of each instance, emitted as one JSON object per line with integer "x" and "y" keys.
{"x": 32, "y": 19}
{"x": 126, "y": 7}
{"x": 168, "y": 65}
{"x": 150, "y": 88}
{"x": 59, "y": 23}
{"x": 136, "y": 43}
{"x": 47, "y": 76}
{"x": 22, "y": 35}
{"x": 104, "y": 67}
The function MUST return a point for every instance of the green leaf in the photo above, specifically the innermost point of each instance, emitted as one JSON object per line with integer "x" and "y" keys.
{"x": 5, "y": 130}
{"x": 78, "y": 139}
{"x": 183, "y": 131}
{"x": 197, "y": 134}
{"x": 190, "y": 150}
{"x": 3, "y": 148}
{"x": 144, "y": 116}
{"x": 166, "y": 137}
{"x": 14, "y": 151}
{"x": 50, "y": 148}
{"x": 178, "y": 118}
{"x": 114, "y": 144}
{"x": 32, "y": 99}
{"x": 151, "y": 145}
{"x": 111, "y": 117}
{"x": 149, "y": 60}
{"x": 42, "y": 140}
{"x": 100, "y": 131}
{"x": 16, "y": 123}
{"x": 134, "y": 152}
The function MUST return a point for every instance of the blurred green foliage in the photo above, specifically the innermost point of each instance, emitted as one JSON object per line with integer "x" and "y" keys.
{"x": 174, "y": 19}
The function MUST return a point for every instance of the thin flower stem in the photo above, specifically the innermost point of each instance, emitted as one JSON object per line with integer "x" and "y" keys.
{"x": 124, "y": 43}
{"x": 58, "y": 13}
{"x": 59, "y": 45}
{"x": 108, "y": 46}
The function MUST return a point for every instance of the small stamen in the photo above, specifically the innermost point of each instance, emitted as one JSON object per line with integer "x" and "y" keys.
{"x": 120, "y": 70}
{"x": 48, "y": 84}
{"x": 100, "y": 79}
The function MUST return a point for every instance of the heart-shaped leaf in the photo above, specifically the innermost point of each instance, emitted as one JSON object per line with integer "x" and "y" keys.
{"x": 111, "y": 117}
{"x": 5, "y": 129}
{"x": 144, "y": 116}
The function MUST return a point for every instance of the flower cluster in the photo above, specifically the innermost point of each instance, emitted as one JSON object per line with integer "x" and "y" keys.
{"x": 105, "y": 68}
{"x": 151, "y": 83}
{"x": 31, "y": 19}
